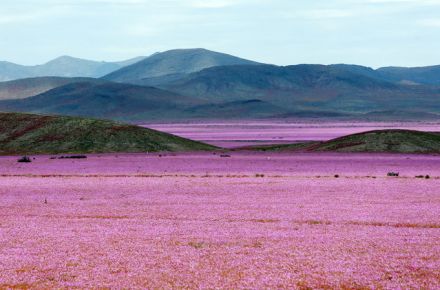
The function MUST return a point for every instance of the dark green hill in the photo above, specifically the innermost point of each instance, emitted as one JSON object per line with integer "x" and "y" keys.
{"x": 36, "y": 134}
{"x": 387, "y": 141}
{"x": 395, "y": 141}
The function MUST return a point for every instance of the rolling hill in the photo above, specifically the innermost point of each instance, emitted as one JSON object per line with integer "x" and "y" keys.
{"x": 105, "y": 100}
{"x": 172, "y": 64}
{"x": 23, "y": 88}
{"x": 378, "y": 141}
{"x": 64, "y": 66}
{"x": 36, "y": 134}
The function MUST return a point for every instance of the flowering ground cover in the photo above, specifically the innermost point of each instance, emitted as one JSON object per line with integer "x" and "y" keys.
{"x": 231, "y": 134}
{"x": 198, "y": 220}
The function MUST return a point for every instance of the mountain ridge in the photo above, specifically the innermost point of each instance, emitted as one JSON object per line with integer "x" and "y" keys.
{"x": 62, "y": 66}
{"x": 198, "y": 83}
{"x": 305, "y": 88}
{"x": 176, "y": 61}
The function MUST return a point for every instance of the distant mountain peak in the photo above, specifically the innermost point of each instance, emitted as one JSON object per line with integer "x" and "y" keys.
{"x": 65, "y": 59}
{"x": 62, "y": 66}
{"x": 175, "y": 62}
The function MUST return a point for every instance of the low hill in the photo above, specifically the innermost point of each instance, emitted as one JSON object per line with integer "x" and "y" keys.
{"x": 64, "y": 66}
{"x": 105, "y": 100}
{"x": 386, "y": 141}
{"x": 36, "y": 134}
{"x": 108, "y": 100}
{"x": 395, "y": 141}
{"x": 175, "y": 63}
{"x": 23, "y": 88}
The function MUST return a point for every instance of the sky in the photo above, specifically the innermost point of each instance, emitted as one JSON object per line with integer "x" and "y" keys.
{"x": 367, "y": 32}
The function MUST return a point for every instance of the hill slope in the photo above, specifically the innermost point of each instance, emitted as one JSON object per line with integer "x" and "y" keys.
{"x": 386, "y": 141}
{"x": 235, "y": 110}
{"x": 396, "y": 141}
{"x": 417, "y": 75}
{"x": 174, "y": 64}
{"x": 105, "y": 100}
{"x": 35, "y": 134}
{"x": 102, "y": 99}
{"x": 64, "y": 66}
{"x": 23, "y": 88}
{"x": 306, "y": 88}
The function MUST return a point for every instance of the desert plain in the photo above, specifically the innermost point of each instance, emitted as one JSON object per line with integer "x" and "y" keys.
{"x": 230, "y": 220}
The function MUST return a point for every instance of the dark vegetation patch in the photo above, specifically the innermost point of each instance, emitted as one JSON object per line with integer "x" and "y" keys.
{"x": 423, "y": 176}
{"x": 378, "y": 141}
{"x": 24, "y": 159}
{"x": 392, "y": 141}
{"x": 70, "y": 157}
{"x": 36, "y": 134}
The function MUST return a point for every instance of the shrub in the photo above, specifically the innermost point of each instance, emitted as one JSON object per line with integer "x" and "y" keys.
{"x": 73, "y": 157}
{"x": 24, "y": 159}
{"x": 336, "y": 175}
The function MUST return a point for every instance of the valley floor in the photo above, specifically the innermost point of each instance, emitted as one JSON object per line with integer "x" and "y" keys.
{"x": 251, "y": 220}
{"x": 232, "y": 134}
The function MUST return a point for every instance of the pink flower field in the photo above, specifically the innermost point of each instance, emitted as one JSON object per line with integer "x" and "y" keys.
{"x": 197, "y": 220}
{"x": 231, "y": 134}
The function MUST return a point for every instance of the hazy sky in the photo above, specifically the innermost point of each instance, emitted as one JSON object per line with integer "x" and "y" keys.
{"x": 368, "y": 32}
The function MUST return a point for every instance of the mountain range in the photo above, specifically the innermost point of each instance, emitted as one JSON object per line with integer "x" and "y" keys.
{"x": 198, "y": 83}
{"x": 306, "y": 88}
{"x": 64, "y": 66}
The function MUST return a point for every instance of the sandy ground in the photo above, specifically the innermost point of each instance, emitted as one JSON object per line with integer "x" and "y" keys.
{"x": 203, "y": 221}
